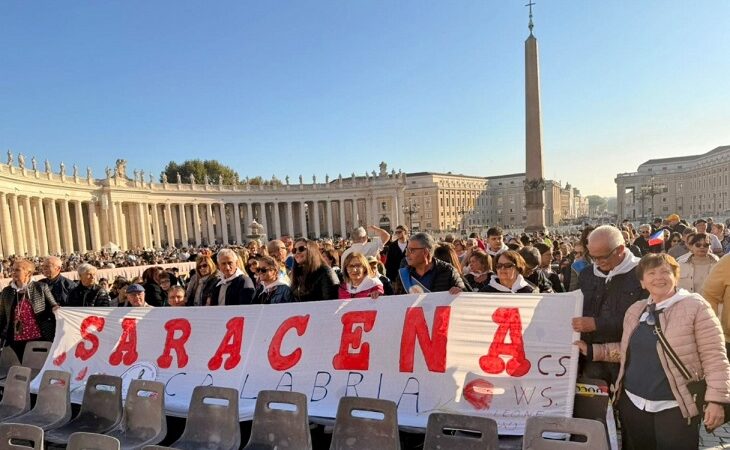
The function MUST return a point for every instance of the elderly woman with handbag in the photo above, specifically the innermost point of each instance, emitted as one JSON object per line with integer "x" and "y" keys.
{"x": 672, "y": 348}
{"x": 26, "y": 309}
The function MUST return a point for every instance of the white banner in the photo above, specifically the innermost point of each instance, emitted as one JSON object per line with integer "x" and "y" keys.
{"x": 500, "y": 356}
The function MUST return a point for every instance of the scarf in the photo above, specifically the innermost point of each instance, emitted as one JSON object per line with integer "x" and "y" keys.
{"x": 627, "y": 265}
{"x": 679, "y": 295}
{"x": 367, "y": 283}
{"x": 502, "y": 249}
{"x": 516, "y": 286}
{"x": 273, "y": 285}
{"x": 235, "y": 275}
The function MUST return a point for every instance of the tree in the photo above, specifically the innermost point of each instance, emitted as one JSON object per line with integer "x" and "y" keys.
{"x": 214, "y": 169}
{"x": 596, "y": 203}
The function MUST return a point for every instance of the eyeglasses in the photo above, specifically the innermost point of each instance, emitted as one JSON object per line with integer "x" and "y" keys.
{"x": 263, "y": 270}
{"x": 604, "y": 258}
{"x": 504, "y": 266}
{"x": 203, "y": 266}
{"x": 702, "y": 245}
{"x": 413, "y": 249}
{"x": 651, "y": 317}
{"x": 300, "y": 249}
{"x": 355, "y": 267}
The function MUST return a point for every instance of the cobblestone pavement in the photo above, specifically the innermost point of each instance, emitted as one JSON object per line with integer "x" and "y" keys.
{"x": 720, "y": 439}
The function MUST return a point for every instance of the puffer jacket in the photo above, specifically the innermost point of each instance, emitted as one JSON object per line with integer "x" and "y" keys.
{"x": 716, "y": 291}
{"x": 688, "y": 277}
{"x": 694, "y": 332}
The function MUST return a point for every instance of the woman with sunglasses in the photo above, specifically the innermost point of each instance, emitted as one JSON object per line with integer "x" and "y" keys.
{"x": 202, "y": 283}
{"x": 312, "y": 279}
{"x": 656, "y": 407}
{"x": 696, "y": 265}
{"x": 359, "y": 279}
{"x": 674, "y": 240}
{"x": 510, "y": 267}
{"x": 271, "y": 289}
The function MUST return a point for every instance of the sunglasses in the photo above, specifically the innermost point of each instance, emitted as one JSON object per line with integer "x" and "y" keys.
{"x": 701, "y": 245}
{"x": 203, "y": 266}
{"x": 504, "y": 266}
{"x": 300, "y": 249}
{"x": 263, "y": 270}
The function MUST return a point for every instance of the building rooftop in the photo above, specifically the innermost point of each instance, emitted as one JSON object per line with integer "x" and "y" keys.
{"x": 676, "y": 159}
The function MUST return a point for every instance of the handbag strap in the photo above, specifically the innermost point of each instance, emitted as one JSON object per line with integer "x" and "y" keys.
{"x": 670, "y": 351}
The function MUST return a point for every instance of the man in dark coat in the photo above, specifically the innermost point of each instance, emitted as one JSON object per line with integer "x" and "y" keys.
{"x": 59, "y": 285}
{"x": 87, "y": 292}
{"x": 609, "y": 287}
{"x": 396, "y": 253}
{"x": 234, "y": 287}
{"x": 425, "y": 270}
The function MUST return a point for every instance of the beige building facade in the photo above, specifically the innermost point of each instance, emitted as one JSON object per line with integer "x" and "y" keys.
{"x": 50, "y": 212}
{"x": 691, "y": 186}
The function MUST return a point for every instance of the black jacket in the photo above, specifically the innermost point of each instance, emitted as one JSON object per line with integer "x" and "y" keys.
{"x": 60, "y": 287}
{"x": 393, "y": 260}
{"x": 154, "y": 295}
{"x": 445, "y": 276}
{"x": 88, "y": 296}
{"x": 239, "y": 292}
{"x": 607, "y": 302}
{"x": 476, "y": 286}
{"x": 278, "y": 294}
{"x": 43, "y": 303}
{"x": 322, "y": 284}
{"x": 540, "y": 279}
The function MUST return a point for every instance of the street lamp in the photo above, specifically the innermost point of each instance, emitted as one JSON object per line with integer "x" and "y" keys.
{"x": 652, "y": 190}
{"x": 410, "y": 210}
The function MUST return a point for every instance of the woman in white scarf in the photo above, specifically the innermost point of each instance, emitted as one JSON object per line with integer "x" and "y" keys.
{"x": 359, "y": 279}
{"x": 510, "y": 267}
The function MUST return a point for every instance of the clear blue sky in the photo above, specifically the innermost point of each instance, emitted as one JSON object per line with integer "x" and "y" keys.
{"x": 314, "y": 87}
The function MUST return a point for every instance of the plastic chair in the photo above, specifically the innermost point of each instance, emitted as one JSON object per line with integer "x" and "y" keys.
{"x": 280, "y": 427}
{"x": 53, "y": 404}
{"x": 593, "y": 430}
{"x": 91, "y": 441}
{"x": 16, "y": 396}
{"x": 365, "y": 423}
{"x": 212, "y": 420}
{"x": 8, "y": 359}
{"x": 460, "y": 432}
{"x": 101, "y": 409}
{"x": 144, "y": 415}
{"x": 35, "y": 356}
{"x": 30, "y": 437}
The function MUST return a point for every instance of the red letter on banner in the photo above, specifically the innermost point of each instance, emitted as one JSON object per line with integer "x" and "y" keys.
{"x": 352, "y": 338}
{"x": 508, "y": 320}
{"x": 230, "y": 345}
{"x": 126, "y": 350}
{"x": 82, "y": 352}
{"x": 276, "y": 359}
{"x": 433, "y": 348}
{"x": 177, "y": 344}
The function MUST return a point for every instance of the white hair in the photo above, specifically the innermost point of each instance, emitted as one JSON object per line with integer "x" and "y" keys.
{"x": 609, "y": 233}
{"x": 359, "y": 232}
{"x": 84, "y": 268}
{"x": 644, "y": 226}
{"x": 227, "y": 252}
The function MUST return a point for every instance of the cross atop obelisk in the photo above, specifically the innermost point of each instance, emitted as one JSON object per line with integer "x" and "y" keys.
{"x": 534, "y": 181}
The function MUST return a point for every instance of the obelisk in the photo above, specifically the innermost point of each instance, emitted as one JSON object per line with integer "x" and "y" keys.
{"x": 534, "y": 181}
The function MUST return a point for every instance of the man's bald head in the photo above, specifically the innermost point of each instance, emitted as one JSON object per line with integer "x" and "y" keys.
{"x": 51, "y": 267}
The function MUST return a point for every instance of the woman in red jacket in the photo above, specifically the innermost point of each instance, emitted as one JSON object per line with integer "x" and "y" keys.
{"x": 359, "y": 279}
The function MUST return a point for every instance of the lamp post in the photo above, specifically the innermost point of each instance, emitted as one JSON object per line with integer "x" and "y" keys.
{"x": 652, "y": 190}
{"x": 410, "y": 209}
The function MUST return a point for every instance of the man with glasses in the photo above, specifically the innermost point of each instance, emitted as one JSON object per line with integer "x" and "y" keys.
{"x": 60, "y": 286}
{"x": 424, "y": 273}
{"x": 609, "y": 287}
{"x": 234, "y": 287}
{"x": 643, "y": 241}
{"x": 396, "y": 253}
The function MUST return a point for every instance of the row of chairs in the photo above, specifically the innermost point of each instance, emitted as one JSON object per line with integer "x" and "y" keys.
{"x": 280, "y": 419}
{"x": 34, "y": 357}
{"x": 15, "y": 436}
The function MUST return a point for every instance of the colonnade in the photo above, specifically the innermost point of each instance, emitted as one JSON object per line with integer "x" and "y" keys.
{"x": 35, "y": 226}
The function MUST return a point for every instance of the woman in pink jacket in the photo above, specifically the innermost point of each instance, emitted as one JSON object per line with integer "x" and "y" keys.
{"x": 359, "y": 279}
{"x": 655, "y": 405}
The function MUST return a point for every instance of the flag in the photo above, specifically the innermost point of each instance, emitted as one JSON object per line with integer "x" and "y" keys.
{"x": 656, "y": 238}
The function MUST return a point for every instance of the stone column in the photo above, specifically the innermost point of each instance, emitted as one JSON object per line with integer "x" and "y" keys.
{"x": 40, "y": 220}
{"x": 394, "y": 212}
{"x": 183, "y": 225}
{"x": 80, "y": 226}
{"x": 224, "y": 225}
{"x": 142, "y": 223}
{"x": 263, "y": 222}
{"x": 30, "y": 230}
{"x": 534, "y": 181}
{"x": 375, "y": 212}
{"x": 330, "y": 220}
{"x": 196, "y": 223}
{"x": 94, "y": 227}
{"x": 68, "y": 242}
{"x": 343, "y": 228}
{"x": 249, "y": 215}
{"x": 289, "y": 220}
{"x": 6, "y": 226}
{"x": 277, "y": 221}
{"x": 55, "y": 231}
{"x": 156, "y": 225}
{"x": 113, "y": 226}
{"x": 209, "y": 221}
{"x": 315, "y": 206}
{"x": 303, "y": 219}
{"x": 237, "y": 223}
{"x": 147, "y": 225}
{"x": 169, "y": 225}
{"x": 122, "y": 221}
{"x": 16, "y": 225}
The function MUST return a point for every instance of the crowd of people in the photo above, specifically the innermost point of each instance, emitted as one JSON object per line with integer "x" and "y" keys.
{"x": 651, "y": 298}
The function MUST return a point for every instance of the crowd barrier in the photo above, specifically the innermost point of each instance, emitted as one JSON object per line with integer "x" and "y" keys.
{"x": 110, "y": 274}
